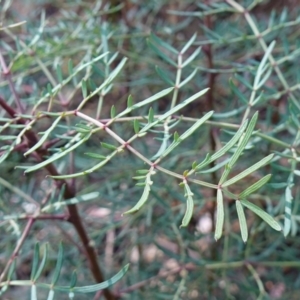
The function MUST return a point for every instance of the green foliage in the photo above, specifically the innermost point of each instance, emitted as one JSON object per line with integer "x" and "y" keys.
{"x": 152, "y": 134}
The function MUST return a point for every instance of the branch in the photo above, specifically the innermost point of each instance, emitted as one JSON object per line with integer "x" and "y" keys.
{"x": 18, "y": 248}
{"x": 69, "y": 193}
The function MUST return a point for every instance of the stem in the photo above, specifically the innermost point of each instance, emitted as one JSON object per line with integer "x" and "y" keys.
{"x": 7, "y": 75}
{"x": 260, "y": 285}
{"x": 18, "y": 248}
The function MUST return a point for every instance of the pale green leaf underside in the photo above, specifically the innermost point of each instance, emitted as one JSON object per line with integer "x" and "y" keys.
{"x": 248, "y": 171}
{"x": 262, "y": 214}
{"x": 251, "y": 189}
{"x": 220, "y": 215}
{"x": 242, "y": 220}
{"x": 189, "y": 206}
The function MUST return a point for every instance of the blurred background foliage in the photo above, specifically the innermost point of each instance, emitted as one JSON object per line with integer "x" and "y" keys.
{"x": 167, "y": 262}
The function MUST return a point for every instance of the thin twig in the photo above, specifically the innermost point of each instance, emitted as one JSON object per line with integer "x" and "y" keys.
{"x": 7, "y": 75}
{"x": 17, "y": 248}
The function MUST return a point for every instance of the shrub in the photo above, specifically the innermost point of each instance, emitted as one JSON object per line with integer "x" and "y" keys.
{"x": 161, "y": 135}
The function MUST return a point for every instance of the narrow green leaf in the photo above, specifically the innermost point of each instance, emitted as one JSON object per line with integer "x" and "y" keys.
{"x": 244, "y": 140}
{"x": 43, "y": 263}
{"x": 243, "y": 81}
{"x": 18, "y": 46}
{"x": 189, "y": 206}
{"x": 163, "y": 146}
{"x": 191, "y": 57}
{"x": 215, "y": 168}
{"x": 272, "y": 19}
{"x": 112, "y": 59}
{"x": 7, "y": 137}
{"x": 91, "y": 85}
{"x": 283, "y": 16}
{"x": 83, "y": 126}
{"x": 147, "y": 101}
{"x": 11, "y": 270}
{"x": 241, "y": 146}
{"x": 288, "y": 211}
{"x": 176, "y": 136}
{"x": 44, "y": 137}
{"x": 174, "y": 109}
{"x": 189, "y": 43}
{"x": 108, "y": 146}
{"x": 237, "y": 92}
{"x": 208, "y": 159}
{"x": 73, "y": 280}
{"x": 151, "y": 115}
{"x": 56, "y": 156}
{"x": 141, "y": 202}
{"x": 70, "y": 67}
{"x": 129, "y": 101}
{"x": 84, "y": 88}
{"x": 35, "y": 261}
{"x": 59, "y": 74}
{"x": 242, "y": 220}
{"x": 220, "y": 215}
{"x": 263, "y": 80}
{"x": 160, "y": 53}
{"x": 231, "y": 113}
{"x": 204, "y": 162}
{"x": 160, "y": 42}
{"x": 262, "y": 214}
{"x": 99, "y": 286}
{"x": 91, "y": 170}
{"x": 257, "y": 185}
{"x": 49, "y": 89}
{"x": 196, "y": 125}
{"x": 4, "y": 289}
{"x": 145, "y": 195}
{"x": 59, "y": 264}
{"x": 61, "y": 193}
{"x": 95, "y": 155}
{"x": 115, "y": 72}
{"x": 186, "y": 134}
{"x": 279, "y": 185}
{"x": 33, "y": 295}
{"x": 113, "y": 112}
{"x": 50, "y": 295}
{"x": 248, "y": 171}
{"x": 262, "y": 65}
{"x": 194, "y": 165}
{"x": 163, "y": 75}
{"x": 258, "y": 99}
{"x": 70, "y": 78}
{"x": 136, "y": 126}
{"x": 185, "y": 173}
{"x": 81, "y": 130}
{"x": 139, "y": 177}
{"x": 188, "y": 79}
{"x": 142, "y": 171}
